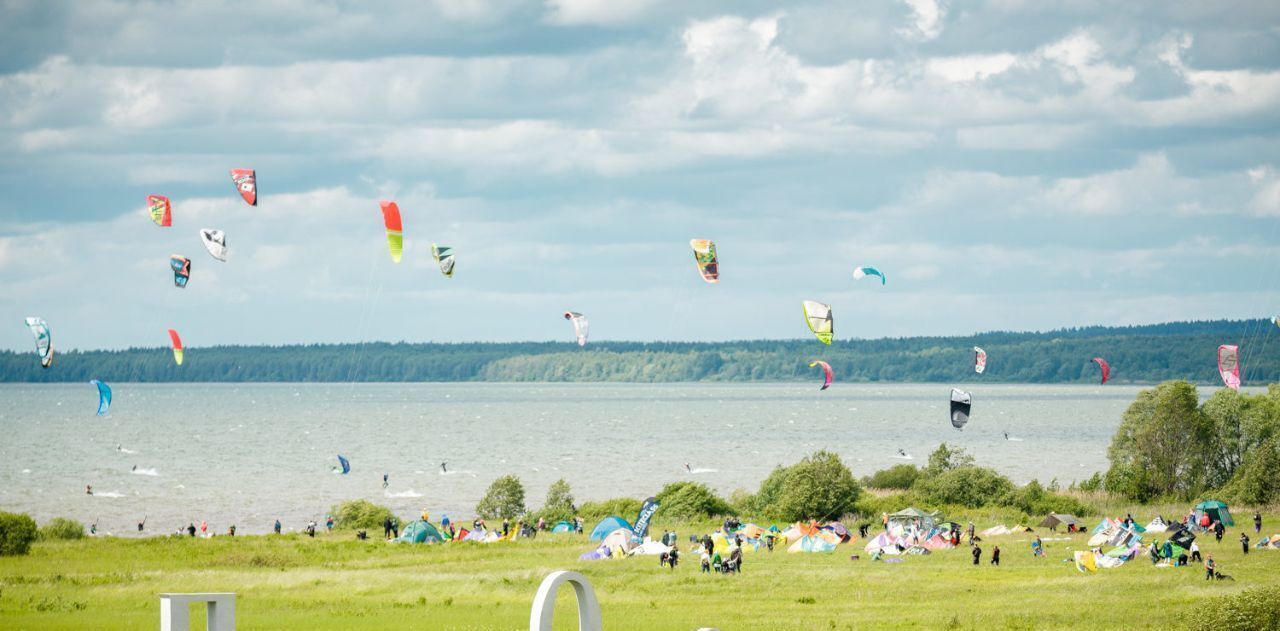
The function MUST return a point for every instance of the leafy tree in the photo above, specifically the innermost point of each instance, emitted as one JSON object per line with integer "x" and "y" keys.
{"x": 690, "y": 500}
{"x": 61, "y": 528}
{"x": 1160, "y": 448}
{"x": 818, "y": 487}
{"x": 503, "y": 500}
{"x": 17, "y": 532}
{"x": 764, "y": 501}
{"x": 624, "y": 507}
{"x": 899, "y": 476}
{"x": 360, "y": 514}
{"x": 1034, "y": 499}
{"x": 1255, "y": 481}
{"x": 559, "y": 503}
{"x": 944, "y": 459}
{"x": 969, "y": 486}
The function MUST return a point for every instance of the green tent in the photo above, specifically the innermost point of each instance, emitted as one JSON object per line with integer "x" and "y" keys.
{"x": 419, "y": 532}
{"x": 1216, "y": 510}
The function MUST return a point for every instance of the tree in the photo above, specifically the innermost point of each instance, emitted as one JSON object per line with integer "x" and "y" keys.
{"x": 1160, "y": 448}
{"x": 559, "y": 503}
{"x": 690, "y": 500}
{"x": 1255, "y": 481}
{"x": 968, "y": 486}
{"x": 818, "y": 487}
{"x": 503, "y": 500}
{"x": 944, "y": 459}
{"x": 360, "y": 514}
{"x": 899, "y": 476}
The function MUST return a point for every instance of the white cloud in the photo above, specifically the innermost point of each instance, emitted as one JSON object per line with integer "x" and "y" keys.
{"x": 1266, "y": 195}
{"x": 602, "y": 12}
{"x": 927, "y": 16}
{"x": 1026, "y": 136}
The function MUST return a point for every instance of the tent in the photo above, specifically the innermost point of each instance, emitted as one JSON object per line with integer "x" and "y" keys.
{"x": 908, "y": 517}
{"x": 811, "y": 543}
{"x": 1157, "y": 525}
{"x": 419, "y": 532}
{"x": 608, "y": 525}
{"x": 1216, "y": 510}
{"x": 620, "y": 538}
{"x": 1054, "y": 520}
{"x": 562, "y": 527}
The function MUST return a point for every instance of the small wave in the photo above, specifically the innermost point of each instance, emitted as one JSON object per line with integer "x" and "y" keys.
{"x": 180, "y": 486}
{"x": 26, "y": 470}
{"x": 110, "y": 494}
{"x": 897, "y": 457}
{"x": 141, "y": 471}
{"x": 1014, "y": 439}
{"x": 127, "y": 451}
{"x": 697, "y": 470}
{"x": 408, "y": 493}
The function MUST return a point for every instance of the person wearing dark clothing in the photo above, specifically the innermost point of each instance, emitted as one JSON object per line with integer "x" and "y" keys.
{"x": 506, "y": 528}
{"x": 1209, "y": 568}
{"x": 142, "y": 524}
{"x": 995, "y": 556}
{"x": 674, "y": 558}
{"x": 977, "y": 555}
{"x": 1218, "y": 530}
{"x": 708, "y": 545}
{"x": 395, "y": 527}
{"x": 191, "y": 529}
{"x": 1244, "y": 542}
{"x": 277, "y": 527}
{"x": 1257, "y": 523}
{"x": 231, "y": 532}
{"x": 386, "y": 527}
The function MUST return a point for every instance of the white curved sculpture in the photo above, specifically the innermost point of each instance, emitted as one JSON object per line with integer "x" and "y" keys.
{"x": 544, "y": 604}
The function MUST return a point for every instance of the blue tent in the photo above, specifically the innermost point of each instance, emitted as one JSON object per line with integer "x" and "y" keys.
{"x": 563, "y": 526}
{"x": 420, "y": 532}
{"x": 606, "y": 526}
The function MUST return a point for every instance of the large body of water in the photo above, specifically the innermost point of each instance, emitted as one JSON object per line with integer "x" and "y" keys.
{"x": 247, "y": 454}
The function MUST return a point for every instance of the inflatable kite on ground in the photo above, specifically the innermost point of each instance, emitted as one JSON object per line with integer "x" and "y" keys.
{"x": 161, "y": 210}
{"x": 704, "y": 253}
{"x": 247, "y": 183}
{"x": 444, "y": 258}
{"x": 44, "y": 340}
{"x": 960, "y": 404}
{"x": 395, "y": 234}
{"x": 344, "y": 467}
{"x": 579, "y": 326}
{"x": 1106, "y": 368}
{"x": 818, "y": 317}
{"x": 1229, "y": 365}
{"x": 863, "y": 272}
{"x": 177, "y": 346}
{"x": 181, "y": 270}
{"x": 826, "y": 370}
{"x": 215, "y": 241}
{"x": 979, "y": 360}
{"x": 104, "y": 397}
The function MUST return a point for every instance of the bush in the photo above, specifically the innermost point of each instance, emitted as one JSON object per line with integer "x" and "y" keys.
{"x": 1091, "y": 485}
{"x": 1252, "y": 609}
{"x": 17, "y": 531}
{"x": 1254, "y": 482}
{"x": 967, "y": 486}
{"x": 559, "y": 503}
{"x": 503, "y": 500}
{"x": 624, "y": 507}
{"x": 360, "y": 515}
{"x": 900, "y": 476}
{"x": 944, "y": 459}
{"x": 690, "y": 500}
{"x": 818, "y": 487}
{"x": 61, "y": 528}
{"x": 1034, "y": 500}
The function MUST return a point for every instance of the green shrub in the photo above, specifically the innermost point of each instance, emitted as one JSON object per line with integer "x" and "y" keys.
{"x": 968, "y": 486}
{"x": 1034, "y": 500}
{"x": 1255, "y": 481}
{"x": 360, "y": 515}
{"x": 1090, "y": 485}
{"x": 503, "y": 500}
{"x": 900, "y": 476}
{"x": 1250, "y": 610}
{"x": 870, "y": 507}
{"x": 944, "y": 459}
{"x": 17, "y": 531}
{"x": 624, "y": 507}
{"x": 690, "y": 500}
{"x": 559, "y": 503}
{"x": 61, "y": 528}
{"x": 818, "y": 487}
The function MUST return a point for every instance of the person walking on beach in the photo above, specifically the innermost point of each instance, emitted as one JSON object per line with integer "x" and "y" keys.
{"x": 995, "y": 556}
{"x": 1244, "y": 542}
{"x": 277, "y": 526}
{"x": 977, "y": 554}
{"x": 1257, "y": 523}
{"x": 1209, "y": 568}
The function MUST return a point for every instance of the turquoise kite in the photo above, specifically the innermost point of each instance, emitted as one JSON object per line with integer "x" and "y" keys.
{"x": 860, "y": 273}
{"x": 104, "y": 397}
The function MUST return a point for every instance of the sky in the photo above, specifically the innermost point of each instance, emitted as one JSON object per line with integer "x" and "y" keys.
{"x": 1008, "y": 165}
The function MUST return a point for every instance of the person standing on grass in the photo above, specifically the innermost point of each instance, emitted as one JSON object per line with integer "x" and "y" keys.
{"x": 995, "y": 556}
{"x": 977, "y": 553}
{"x": 1257, "y": 523}
{"x": 1219, "y": 530}
{"x": 1244, "y": 542}
{"x": 1195, "y": 552}
{"x": 1209, "y": 568}
{"x": 506, "y": 527}
{"x": 277, "y": 526}
{"x": 386, "y": 527}
{"x": 1037, "y": 547}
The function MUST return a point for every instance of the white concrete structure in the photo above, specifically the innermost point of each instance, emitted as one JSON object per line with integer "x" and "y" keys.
{"x": 175, "y": 611}
{"x": 544, "y": 604}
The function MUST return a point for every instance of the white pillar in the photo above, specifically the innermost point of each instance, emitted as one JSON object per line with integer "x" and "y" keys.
{"x": 175, "y": 611}
{"x": 544, "y": 604}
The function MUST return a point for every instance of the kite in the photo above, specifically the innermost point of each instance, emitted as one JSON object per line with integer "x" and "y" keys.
{"x": 177, "y": 346}
{"x": 1106, "y": 368}
{"x": 181, "y": 270}
{"x": 104, "y": 397}
{"x": 579, "y": 326}
{"x": 161, "y": 210}
{"x": 444, "y": 258}
{"x": 1229, "y": 365}
{"x": 863, "y": 272}
{"x": 395, "y": 235}
{"x": 246, "y": 181}
{"x": 44, "y": 340}
{"x": 818, "y": 317}
{"x": 704, "y": 254}
{"x": 960, "y": 404}
{"x": 979, "y": 360}
{"x": 215, "y": 241}
{"x": 826, "y": 369}
{"x": 344, "y": 464}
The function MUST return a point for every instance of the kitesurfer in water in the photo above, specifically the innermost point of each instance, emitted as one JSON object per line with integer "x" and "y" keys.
{"x": 902, "y": 453}
{"x": 1006, "y": 435}
{"x": 88, "y": 489}
{"x": 687, "y": 468}
{"x": 135, "y": 468}
{"x": 384, "y": 480}
{"x": 443, "y": 468}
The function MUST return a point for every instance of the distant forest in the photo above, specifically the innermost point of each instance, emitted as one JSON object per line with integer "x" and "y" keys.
{"x": 1138, "y": 354}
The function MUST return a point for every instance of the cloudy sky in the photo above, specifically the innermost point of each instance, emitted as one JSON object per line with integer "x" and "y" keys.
{"x": 1008, "y": 166}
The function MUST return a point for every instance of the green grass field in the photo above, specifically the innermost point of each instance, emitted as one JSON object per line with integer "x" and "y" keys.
{"x": 336, "y": 582}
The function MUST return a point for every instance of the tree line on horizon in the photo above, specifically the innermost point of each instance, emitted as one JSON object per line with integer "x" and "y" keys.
{"x": 1137, "y": 354}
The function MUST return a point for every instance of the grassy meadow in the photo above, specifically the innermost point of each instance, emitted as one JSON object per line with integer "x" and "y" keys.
{"x": 337, "y": 582}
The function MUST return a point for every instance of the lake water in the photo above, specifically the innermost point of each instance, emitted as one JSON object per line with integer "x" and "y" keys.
{"x": 251, "y": 453}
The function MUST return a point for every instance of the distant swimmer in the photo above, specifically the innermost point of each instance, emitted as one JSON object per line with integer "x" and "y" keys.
{"x": 443, "y": 468}
{"x": 88, "y": 489}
